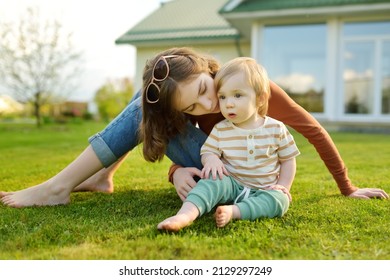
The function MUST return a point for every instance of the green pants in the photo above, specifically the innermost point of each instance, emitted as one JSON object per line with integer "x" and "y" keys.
{"x": 252, "y": 203}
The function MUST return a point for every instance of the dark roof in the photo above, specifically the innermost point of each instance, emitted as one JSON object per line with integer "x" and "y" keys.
{"x": 235, "y": 6}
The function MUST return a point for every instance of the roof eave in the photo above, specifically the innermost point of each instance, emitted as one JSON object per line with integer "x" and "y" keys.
{"x": 180, "y": 40}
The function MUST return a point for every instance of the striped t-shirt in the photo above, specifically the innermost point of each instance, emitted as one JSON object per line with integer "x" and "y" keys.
{"x": 252, "y": 156}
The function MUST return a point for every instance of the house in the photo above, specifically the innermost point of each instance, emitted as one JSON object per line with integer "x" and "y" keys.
{"x": 68, "y": 109}
{"x": 9, "y": 106}
{"x": 331, "y": 56}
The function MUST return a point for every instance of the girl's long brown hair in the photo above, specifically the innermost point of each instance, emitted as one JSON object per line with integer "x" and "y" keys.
{"x": 161, "y": 120}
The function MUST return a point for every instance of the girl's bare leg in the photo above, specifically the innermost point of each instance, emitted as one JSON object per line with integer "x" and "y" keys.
{"x": 186, "y": 215}
{"x": 101, "y": 181}
{"x": 225, "y": 213}
{"x": 57, "y": 189}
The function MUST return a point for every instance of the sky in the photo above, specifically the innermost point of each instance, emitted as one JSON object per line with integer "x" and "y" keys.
{"x": 95, "y": 26}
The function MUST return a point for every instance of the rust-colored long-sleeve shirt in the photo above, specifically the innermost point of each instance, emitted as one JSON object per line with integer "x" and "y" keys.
{"x": 283, "y": 108}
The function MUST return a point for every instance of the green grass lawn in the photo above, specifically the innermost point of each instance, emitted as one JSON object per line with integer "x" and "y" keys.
{"x": 321, "y": 224}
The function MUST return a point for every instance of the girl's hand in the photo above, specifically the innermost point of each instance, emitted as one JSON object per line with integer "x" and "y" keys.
{"x": 367, "y": 193}
{"x": 183, "y": 180}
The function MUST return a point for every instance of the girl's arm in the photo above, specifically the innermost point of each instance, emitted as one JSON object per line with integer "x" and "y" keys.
{"x": 283, "y": 108}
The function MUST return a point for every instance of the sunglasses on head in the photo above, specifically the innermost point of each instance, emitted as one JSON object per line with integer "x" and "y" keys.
{"x": 160, "y": 73}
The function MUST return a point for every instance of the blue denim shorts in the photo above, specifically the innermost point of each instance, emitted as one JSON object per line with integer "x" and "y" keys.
{"x": 122, "y": 134}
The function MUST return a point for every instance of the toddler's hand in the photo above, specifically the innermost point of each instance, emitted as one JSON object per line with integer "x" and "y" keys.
{"x": 281, "y": 188}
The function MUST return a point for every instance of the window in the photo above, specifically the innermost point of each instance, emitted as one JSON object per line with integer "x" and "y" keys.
{"x": 366, "y": 68}
{"x": 385, "y": 77}
{"x": 358, "y": 77}
{"x": 295, "y": 58}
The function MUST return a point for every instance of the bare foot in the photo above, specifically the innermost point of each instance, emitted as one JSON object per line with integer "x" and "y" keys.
{"x": 175, "y": 223}
{"x": 3, "y": 194}
{"x": 39, "y": 195}
{"x": 102, "y": 181}
{"x": 223, "y": 215}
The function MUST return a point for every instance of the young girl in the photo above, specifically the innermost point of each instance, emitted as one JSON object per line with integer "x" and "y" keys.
{"x": 191, "y": 74}
{"x": 257, "y": 152}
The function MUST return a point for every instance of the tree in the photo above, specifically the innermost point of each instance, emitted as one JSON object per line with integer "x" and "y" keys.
{"x": 38, "y": 62}
{"x": 113, "y": 97}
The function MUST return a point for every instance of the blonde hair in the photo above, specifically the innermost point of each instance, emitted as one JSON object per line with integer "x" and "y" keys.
{"x": 256, "y": 76}
{"x": 161, "y": 120}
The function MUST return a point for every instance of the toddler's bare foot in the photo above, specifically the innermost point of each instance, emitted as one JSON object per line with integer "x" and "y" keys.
{"x": 223, "y": 215}
{"x": 3, "y": 194}
{"x": 175, "y": 223}
{"x": 39, "y": 195}
{"x": 100, "y": 182}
